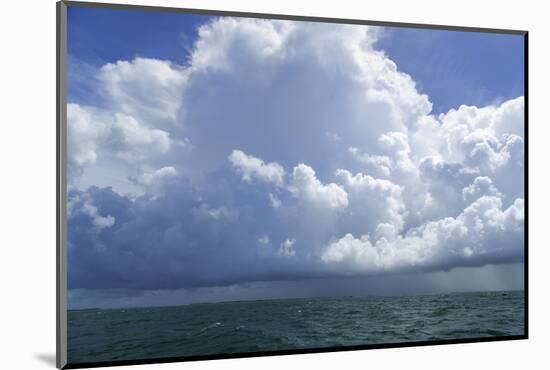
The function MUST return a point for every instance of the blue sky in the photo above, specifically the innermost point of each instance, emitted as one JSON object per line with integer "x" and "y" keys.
{"x": 459, "y": 67}
{"x": 253, "y": 158}
{"x": 123, "y": 34}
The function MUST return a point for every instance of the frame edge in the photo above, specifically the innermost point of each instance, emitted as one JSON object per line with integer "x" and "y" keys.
{"x": 61, "y": 188}
{"x": 290, "y": 17}
{"x": 526, "y": 182}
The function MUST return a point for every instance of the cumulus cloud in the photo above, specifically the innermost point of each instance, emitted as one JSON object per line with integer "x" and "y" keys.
{"x": 376, "y": 184}
{"x": 480, "y": 138}
{"x": 308, "y": 188}
{"x": 482, "y": 232}
{"x": 156, "y": 177}
{"x": 116, "y": 136}
{"x": 482, "y": 185}
{"x": 97, "y": 220}
{"x": 381, "y": 164}
{"x": 154, "y": 181}
{"x": 82, "y": 141}
{"x": 146, "y": 88}
{"x": 83, "y": 205}
{"x": 286, "y": 249}
{"x": 127, "y": 132}
{"x": 372, "y": 202}
{"x": 251, "y": 167}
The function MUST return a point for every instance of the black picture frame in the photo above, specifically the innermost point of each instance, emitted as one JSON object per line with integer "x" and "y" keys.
{"x": 61, "y": 185}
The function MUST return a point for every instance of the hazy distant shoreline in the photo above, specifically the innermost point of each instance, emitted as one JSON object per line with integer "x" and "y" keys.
{"x": 294, "y": 298}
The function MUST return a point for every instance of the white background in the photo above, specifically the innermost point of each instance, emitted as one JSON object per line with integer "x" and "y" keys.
{"x": 27, "y": 170}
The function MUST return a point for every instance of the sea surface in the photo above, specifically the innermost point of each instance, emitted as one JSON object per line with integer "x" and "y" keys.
{"x": 251, "y": 326}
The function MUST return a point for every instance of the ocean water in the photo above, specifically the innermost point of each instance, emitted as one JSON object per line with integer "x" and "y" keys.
{"x": 251, "y": 326}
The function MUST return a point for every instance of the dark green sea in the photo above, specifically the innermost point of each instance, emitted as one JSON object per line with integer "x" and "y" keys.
{"x": 252, "y": 326}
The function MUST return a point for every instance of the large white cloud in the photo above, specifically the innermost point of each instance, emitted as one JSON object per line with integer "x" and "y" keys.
{"x": 375, "y": 182}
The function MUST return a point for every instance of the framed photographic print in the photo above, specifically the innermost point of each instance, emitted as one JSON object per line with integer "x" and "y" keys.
{"x": 236, "y": 184}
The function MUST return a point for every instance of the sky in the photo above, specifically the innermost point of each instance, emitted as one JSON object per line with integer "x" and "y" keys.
{"x": 214, "y": 159}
